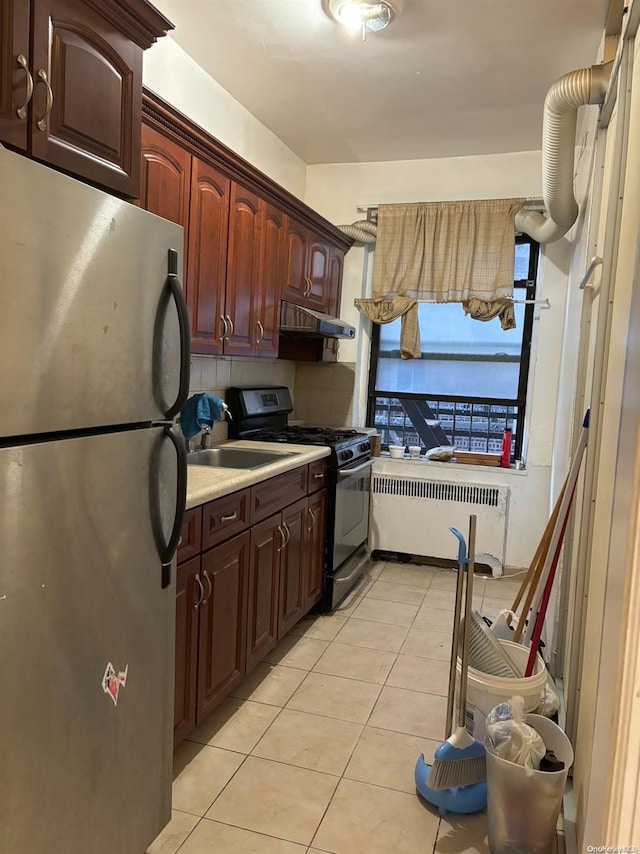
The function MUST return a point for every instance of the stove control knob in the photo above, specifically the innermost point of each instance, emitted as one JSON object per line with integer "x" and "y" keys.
{"x": 347, "y": 455}
{"x": 365, "y": 446}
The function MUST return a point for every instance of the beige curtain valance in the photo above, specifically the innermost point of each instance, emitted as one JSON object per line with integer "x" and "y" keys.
{"x": 383, "y": 310}
{"x": 446, "y": 251}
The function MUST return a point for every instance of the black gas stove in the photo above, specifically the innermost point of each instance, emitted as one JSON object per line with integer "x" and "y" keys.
{"x": 346, "y": 445}
{"x": 261, "y": 414}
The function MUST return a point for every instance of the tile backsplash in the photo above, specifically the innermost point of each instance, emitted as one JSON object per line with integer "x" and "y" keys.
{"x": 322, "y": 393}
{"x": 214, "y": 374}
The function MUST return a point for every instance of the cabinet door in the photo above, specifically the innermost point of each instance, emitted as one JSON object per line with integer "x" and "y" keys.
{"x": 207, "y": 256}
{"x": 92, "y": 127}
{"x": 318, "y": 292}
{"x": 14, "y": 76}
{"x": 262, "y": 615}
{"x": 223, "y": 614}
{"x": 165, "y": 178}
{"x": 295, "y": 270}
{"x": 334, "y": 293}
{"x": 314, "y": 549}
{"x": 187, "y": 598}
{"x": 292, "y": 558}
{"x": 272, "y": 246}
{"x": 243, "y": 260}
{"x": 190, "y": 542}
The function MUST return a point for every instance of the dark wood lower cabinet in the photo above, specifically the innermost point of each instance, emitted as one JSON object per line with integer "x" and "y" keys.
{"x": 262, "y": 613}
{"x": 186, "y": 673}
{"x": 222, "y": 634}
{"x": 292, "y": 558}
{"x": 314, "y": 550}
{"x": 235, "y": 600}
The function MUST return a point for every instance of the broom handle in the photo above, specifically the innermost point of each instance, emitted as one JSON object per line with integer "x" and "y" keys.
{"x": 455, "y": 641}
{"x": 462, "y": 708}
{"x": 541, "y": 550}
{"x": 533, "y": 574}
{"x": 558, "y": 532}
{"x": 542, "y": 612}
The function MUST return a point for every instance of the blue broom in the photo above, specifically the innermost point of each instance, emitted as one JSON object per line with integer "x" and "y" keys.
{"x": 456, "y": 778}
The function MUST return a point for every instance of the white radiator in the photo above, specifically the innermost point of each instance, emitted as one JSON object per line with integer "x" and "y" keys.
{"x": 413, "y": 516}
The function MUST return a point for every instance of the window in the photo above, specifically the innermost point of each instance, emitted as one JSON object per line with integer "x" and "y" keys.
{"x": 471, "y": 381}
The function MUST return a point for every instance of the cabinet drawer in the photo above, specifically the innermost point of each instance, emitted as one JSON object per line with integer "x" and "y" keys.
{"x": 272, "y": 495}
{"x": 191, "y": 535}
{"x": 224, "y": 518}
{"x": 317, "y": 475}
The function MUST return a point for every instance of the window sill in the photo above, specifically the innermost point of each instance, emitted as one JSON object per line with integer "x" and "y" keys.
{"x": 449, "y": 465}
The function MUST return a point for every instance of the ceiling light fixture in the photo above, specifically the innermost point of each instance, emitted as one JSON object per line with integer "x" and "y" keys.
{"x": 365, "y": 16}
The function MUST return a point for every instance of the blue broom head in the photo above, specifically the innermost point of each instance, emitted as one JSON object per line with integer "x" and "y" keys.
{"x": 462, "y": 800}
{"x": 454, "y": 767}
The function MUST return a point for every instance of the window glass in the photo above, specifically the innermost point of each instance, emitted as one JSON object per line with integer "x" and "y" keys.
{"x": 471, "y": 380}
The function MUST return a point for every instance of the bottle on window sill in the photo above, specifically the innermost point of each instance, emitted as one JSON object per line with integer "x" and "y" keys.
{"x": 505, "y": 459}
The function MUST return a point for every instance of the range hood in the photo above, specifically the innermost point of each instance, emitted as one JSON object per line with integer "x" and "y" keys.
{"x": 296, "y": 320}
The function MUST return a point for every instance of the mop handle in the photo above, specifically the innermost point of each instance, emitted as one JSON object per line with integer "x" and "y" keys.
{"x": 462, "y": 708}
{"x": 533, "y": 573}
{"x": 565, "y": 507}
{"x": 462, "y": 562}
{"x": 544, "y": 604}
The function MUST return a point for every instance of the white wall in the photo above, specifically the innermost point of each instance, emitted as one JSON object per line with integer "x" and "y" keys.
{"x": 337, "y": 190}
{"x": 171, "y": 73}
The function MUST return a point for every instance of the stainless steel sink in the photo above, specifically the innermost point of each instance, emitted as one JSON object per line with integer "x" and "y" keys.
{"x": 235, "y": 458}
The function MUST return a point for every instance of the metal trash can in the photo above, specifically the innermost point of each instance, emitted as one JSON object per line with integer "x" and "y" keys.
{"x": 523, "y": 805}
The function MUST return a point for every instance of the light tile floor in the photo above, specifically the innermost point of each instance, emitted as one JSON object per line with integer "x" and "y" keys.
{"x": 315, "y": 751}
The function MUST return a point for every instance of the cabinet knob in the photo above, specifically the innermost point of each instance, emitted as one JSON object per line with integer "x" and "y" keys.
{"x": 283, "y": 539}
{"x": 44, "y": 121}
{"x": 228, "y": 318}
{"x": 230, "y": 518}
{"x": 22, "y": 111}
{"x": 261, "y": 327}
{"x": 223, "y": 337}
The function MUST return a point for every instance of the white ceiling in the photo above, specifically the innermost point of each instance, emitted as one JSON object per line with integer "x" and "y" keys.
{"x": 447, "y": 78}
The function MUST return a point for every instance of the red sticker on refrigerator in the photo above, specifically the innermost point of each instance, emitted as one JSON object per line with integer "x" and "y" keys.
{"x": 112, "y": 681}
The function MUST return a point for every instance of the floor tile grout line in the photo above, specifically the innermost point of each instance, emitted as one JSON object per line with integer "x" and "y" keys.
{"x": 258, "y": 832}
{"x": 188, "y": 835}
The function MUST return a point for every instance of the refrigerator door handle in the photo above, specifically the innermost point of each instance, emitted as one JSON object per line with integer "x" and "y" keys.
{"x": 167, "y": 552}
{"x": 175, "y": 289}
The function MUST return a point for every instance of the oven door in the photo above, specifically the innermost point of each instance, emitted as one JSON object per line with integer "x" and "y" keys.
{"x": 351, "y": 525}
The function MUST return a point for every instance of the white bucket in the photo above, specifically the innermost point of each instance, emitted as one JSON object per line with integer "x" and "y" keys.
{"x": 484, "y": 691}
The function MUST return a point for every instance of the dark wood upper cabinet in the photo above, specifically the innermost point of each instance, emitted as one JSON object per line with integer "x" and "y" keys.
{"x": 318, "y": 291}
{"x": 207, "y": 256}
{"x": 84, "y": 58}
{"x": 295, "y": 275}
{"x": 165, "y": 179}
{"x": 186, "y": 662}
{"x": 223, "y": 615}
{"x": 243, "y": 264}
{"x": 250, "y": 245}
{"x": 15, "y": 74}
{"x": 272, "y": 248}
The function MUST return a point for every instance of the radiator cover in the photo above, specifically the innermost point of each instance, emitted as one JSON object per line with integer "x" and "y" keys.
{"x": 413, "y": 516}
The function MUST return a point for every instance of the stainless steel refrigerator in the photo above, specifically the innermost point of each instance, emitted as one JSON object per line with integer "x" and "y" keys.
{"x": 94, "y": 365}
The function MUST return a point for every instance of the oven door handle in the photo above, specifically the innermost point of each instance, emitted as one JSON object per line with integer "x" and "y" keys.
{"x": 348, "y": 472}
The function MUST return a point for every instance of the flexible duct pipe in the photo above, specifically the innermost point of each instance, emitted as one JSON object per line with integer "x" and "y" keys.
{"x": 576, "y": 89}
{"x": 363, "y": 232}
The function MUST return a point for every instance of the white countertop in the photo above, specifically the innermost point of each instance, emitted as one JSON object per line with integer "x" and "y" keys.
{"x": 205, "y": 483}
